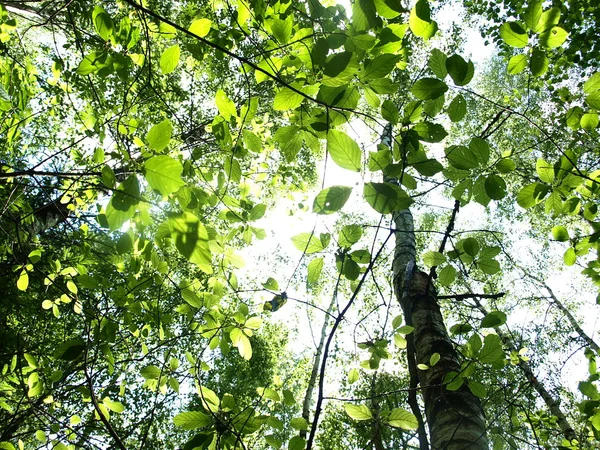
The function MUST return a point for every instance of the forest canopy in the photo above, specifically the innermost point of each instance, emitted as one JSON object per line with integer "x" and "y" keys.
{"x": 255, "y": 224}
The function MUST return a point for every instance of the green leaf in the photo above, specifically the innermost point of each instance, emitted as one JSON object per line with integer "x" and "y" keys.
{"x": 589, "y": 121}
{"x": 593, "y": 100}
{"x": 589, "y": 390}
{"x": 592, "y": 84}
{"x": 241, "y": 341}
{"x": 353, "y": 375}
{"x": 428, "y": 88}
{"x": 437, "y": 63}
{"x": 169, "y": 59}
{"x": 163, "y": 174}
{"x": 349, "y": 235}
{"x": 478, "y": 389}
{"x": 531, "y": 195}
{"x": 70, "y": 350}
{"x": 517, "y": 64}
{"x": 539, "y": 63}
{"x": 314, "y": 270}
{"x": 257, "y": 212}
{"x": 549, "y": 18}
{"x": 488, "y": 266}
{"x": 460, "y": 328}
{"x": 23, "y": 281}
{"x": 159, "y": 136}
{"x": 533, "y": 14}
{"x": 493, "y": 319}
{"x": 554, "y": 37}
{"x": 191, "y": 420}
{"x": 297, "y": 443}
{"x": 560, "y": 233}
{"x": 420, "y": 20}
{"x": 339, "y": 69}
{"x": 114, "y": 406}
{"x": 457, "y": 108}
{"x": 447, "y": 275}
{"x": 385, "y": 197}
{"x": 434, "y": 359}
{"x": 513, "y": 34}
{"x": 200, "y": 27}
{"x": 481, "y": 150}
{"x": 191, "y": 239}
{"x": 225, "y": 106}
{"x": 471, "y": 246}
{"x": 331, "y": 199}
{"x": 460, "y": 71}
{"x": 287, "y": 99}
{"x": 282, "y": 29}
{"x": 430, "y": 132}
{"x": 103, "y": 23}
{"x": 379, "y": 160}
{"x": 343, "y": 150}
{"x": 121, "y": 206}
{"x": 506, "y": 165}
{"x": 358, "y": 412}
{"x": 570, "y": 257}
{"x": 271, "y": 283}
{"x": 308, "y": 243}
{"x": 495, "y": 187}
{"x": 379, "y": 67}
{"x": 389, "y": 112}
{"x": 492, "y": 350}
{"x": 461, "y": 157}
{"x": 299, "y": 423}
{"x": 399, "y": 418}
{"x": 433, "y": 259}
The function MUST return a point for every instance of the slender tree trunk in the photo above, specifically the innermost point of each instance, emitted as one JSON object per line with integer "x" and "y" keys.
{"x": 455, "y": 418}
{"x": 551, "y": 403}
{"x": 312, "y": 382}
{"x": 563, "y": 309}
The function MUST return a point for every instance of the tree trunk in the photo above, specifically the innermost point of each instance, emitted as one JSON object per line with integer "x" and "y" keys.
{"x": 549, "y": 400}
{"x": 312, "y": 382}
{"x": 455, "y": 418}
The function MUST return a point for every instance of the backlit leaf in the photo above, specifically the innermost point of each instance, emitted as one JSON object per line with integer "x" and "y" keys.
{"x": 358, "y": 412}
{"x": 169, "y": 59}
{"x": 163, "y": 174}
{"x": 331, "y": 199}
{"x": 343, "y": 150}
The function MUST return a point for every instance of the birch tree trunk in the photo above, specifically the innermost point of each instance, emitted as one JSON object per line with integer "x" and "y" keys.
{"x": 549, "y": 400}
{"x": 455, "y": 418}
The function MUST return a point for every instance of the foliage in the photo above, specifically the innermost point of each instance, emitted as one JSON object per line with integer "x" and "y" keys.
{"x": 146, "y": 147}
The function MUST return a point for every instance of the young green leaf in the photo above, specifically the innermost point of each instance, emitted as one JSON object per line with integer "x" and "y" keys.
{"x": 399, "y": 418}
{"x": 560, "y": 233}
{"x": 493, "y": 319}
{"x": 358, "y": 412}
{"x": 163, "y": 174}
{"x": 385, "y": 197}
{"x": 331, "y": 199}
{"x": 200, "y": 27}
{"x": 343, "y": 150}
{"x": 191, "y": 420}
{"x": 428, "y": 88}
{"x": 314, "y": 270}
{"x": 513, "y": 34}
{"x": 517, "y": 64}
{"x": 159, "y": 136}
{"x": 169, "y": 59}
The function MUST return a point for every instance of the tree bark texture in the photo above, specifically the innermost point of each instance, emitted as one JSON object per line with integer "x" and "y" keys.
{"x": 455, "y": 418}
